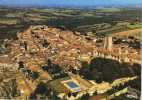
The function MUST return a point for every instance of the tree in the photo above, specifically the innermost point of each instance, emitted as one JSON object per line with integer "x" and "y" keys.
{"x": 33, "y": 96}
{"x": 35, "y": 75}
{"x": 101, "y": 69}
{"x": 41, "y": 89}
{"x": 45, "y": 44}
{"x": 85, "y": 97}
{"x": 21, "y": 64}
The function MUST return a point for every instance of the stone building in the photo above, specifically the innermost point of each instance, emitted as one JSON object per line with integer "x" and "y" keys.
{"x": 108, "y": 43}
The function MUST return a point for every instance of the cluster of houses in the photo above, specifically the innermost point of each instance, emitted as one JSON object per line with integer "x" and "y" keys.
{"x": 48, "y": 54}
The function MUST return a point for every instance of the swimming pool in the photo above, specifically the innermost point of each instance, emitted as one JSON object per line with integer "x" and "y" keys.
{"x": 71, "y": 84}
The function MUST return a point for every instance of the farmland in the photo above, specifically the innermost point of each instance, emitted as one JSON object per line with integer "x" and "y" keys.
{"x": 139, "y": 25}
{"x": 136, "y": 33}
{"x": 101, "y": 20}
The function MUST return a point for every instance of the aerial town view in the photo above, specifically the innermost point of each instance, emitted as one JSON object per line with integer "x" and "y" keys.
{"x": 70, "y": 49}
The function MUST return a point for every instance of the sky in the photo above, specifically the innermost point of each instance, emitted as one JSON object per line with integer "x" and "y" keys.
{"x": 69, "y": 2}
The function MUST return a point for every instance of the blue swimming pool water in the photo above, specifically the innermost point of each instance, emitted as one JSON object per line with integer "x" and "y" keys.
{"x": 72, "y": 85}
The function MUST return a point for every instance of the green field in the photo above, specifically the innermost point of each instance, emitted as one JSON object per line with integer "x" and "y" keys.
{"x": 9, "y": 21}
{"x": 138, "y": 25}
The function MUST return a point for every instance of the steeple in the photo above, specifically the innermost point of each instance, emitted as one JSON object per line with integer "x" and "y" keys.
{"x": 108, "y": 43}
